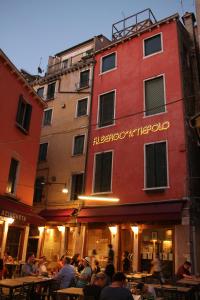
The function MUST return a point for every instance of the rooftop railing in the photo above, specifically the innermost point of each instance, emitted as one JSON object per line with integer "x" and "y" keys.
{"x": 132, "y": 24}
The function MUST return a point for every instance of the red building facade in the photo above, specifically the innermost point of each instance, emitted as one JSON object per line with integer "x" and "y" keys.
{"x": 21, "y": 112}
{"x": 137, "y": 147}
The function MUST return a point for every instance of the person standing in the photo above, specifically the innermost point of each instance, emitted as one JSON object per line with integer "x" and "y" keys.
{"x": 111, "y": 254}
{"x": 117, "y": 290}
{"x": 126, "y": 262}
{"x": 66, "y": 275}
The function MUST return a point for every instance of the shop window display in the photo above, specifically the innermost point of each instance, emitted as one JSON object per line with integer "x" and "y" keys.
{"x": 157, "y": 242}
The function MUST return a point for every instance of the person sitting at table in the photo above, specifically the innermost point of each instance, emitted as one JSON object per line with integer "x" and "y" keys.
{"x": 85, "y": 275}
{"x": 42, "y": 266}
{"x": 146, "y": 291}
{"x": 117, "y": 290}
{"x": 93, "y": 290}
{"x": 8, "y": 263}
{"x": 96, "y": 268}
{"x": 183, "y": 271}
{"x": 66, "y": 274}
{"x": 109, "y": 271}
{"x": 28, "y": 269}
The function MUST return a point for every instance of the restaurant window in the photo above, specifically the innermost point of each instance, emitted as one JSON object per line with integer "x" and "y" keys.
{"x": 47, "y": 116}
{"x": 13, "y": 242}
{"x": 106, "y": 109}
{"x": 24, "y": 111}
{"x": 38, "y": 189}
{"x": 51, "y": 91}
{"x": 84, "y": 79}
{"x": 43, "y": 152}
{"x": 40, "y": 92}
{"x": 78, "y": 144}
{"x": 154, "y": 96}
{"x": 156, "y": 165}
{"x": 103, "y": 172}
{"x": 82, "y": 107}
{"x": 152, "y": 45}
{"x": 157, "y": 241}
{"x": 108, "y": 62}
{"x": 76, "y": 186}
{"x": 11, "y": 186}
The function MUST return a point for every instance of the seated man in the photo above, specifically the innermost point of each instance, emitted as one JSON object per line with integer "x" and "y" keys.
{"x": 66, "y": 274}
{"x": 93, "y": 290}
{"x": 117, "y": 290}
{"x": 183, "y": 271}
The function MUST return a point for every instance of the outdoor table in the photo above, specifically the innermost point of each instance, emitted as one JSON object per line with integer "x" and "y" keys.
{"x": 136, "y": 276}
{"x": 71, "y": 291}
{"x": 14, "y": 283}
{"x": 187, "y": 281}
{"x": 186, "y": 292}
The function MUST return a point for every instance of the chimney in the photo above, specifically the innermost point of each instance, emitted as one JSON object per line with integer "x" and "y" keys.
{"x": 189, "y": 22}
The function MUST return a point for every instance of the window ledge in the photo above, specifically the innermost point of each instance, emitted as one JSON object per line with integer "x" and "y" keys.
{"x": 101, "y": 193}
{"x": 156, "y": 189}
{"x": 75, "y": 155}
{"x": 22, "y": 129}
{"x": 105, "y": 72}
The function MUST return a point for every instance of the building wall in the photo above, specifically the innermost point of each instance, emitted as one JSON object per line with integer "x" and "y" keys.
{"x": 127, "y": 79}
{"x": 14, "y": 143}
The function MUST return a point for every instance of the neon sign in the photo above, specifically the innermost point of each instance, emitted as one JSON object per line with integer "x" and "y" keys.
{"x": 131, "y": 133}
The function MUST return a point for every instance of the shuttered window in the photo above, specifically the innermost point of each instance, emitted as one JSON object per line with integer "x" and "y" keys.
{"x": 82, "y": 107}
{"x": 77, "y": 186}
{"x": 43, "y": 152}
{"x": 108, "y": 62}
{"x": 12, "y": 176}
{"x": 106, "y": 109}
{"x": 24, "y": 112}
{"x": 152, "y": 45}
{"x": 156, "y": 165}
{"x": 78, "y": 144}
{"x": 47, "y": 117}
{"x": 103, "y": 171}
{"x": 154, "y": 96}
{"x": 84, "y": 79}
{"x": 51, "y": 91}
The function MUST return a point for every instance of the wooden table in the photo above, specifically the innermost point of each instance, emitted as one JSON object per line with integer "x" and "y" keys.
{"x": 187, "y": 292}
{"x": 71, "y": 291}
{"x": 136, "y": 276}
{"x": 14, "y": 283}
{"x": 193, "y": 281}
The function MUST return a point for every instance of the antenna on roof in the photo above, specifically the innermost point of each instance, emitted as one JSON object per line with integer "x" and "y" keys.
{"x": 40, "y": 71}
{"x": 182, "y": 8}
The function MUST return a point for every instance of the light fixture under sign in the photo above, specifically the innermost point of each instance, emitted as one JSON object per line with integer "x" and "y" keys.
{"x": 96, "y": 198}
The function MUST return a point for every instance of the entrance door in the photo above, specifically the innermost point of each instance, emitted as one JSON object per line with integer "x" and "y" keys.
{"x": 32, "y": 246}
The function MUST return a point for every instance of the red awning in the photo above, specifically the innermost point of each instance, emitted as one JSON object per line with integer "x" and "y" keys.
{"x": 57, "y": 215}
{"x": 19, "y": 211}
{"x": 143, "y": 212}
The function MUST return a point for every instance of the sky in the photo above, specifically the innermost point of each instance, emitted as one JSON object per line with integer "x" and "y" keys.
{"x": 32, "y": 30}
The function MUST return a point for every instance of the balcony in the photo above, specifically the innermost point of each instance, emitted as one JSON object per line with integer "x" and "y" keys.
{"x": 132, "y": 24}
{"x": 71, "y": 62}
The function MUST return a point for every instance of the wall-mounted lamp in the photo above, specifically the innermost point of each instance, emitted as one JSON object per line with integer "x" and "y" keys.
{"x": 113, "y": 230}
{"x": 95, "y": 198}
{"x": 65, "y": 189}
{"x": 61, "y": 228}
{"x": 41, "y": 229}
{"x": 135, "y": 230}
{"x": 10, "y": 220}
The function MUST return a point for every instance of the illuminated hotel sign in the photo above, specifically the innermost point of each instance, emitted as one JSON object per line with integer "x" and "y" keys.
{"x": 8, "y": 214}
{"x": 131, "y": 133}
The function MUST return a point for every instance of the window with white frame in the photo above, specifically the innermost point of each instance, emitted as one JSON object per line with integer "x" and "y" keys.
{"x": 47, "y": 117}
{"x": 40, "y": 92}
{"x": 84, "y": 79}
{"x": 76, "y": 186}
{"x": 78, "y": 144}
{"x": 24, "y": 112}
{"x": 82, "y": 107}
{"x": 11, "y": 185}
{"x": 156, "y": 165}
{"x": 154, "y": 96}
{"x": 106, "y": 109}
{"x": 103, "y": 172}
{"x": 43, "y": 152}
{"x": 152, "y": 45}
{"x": 51, "y": 91}
{"x": 108, "y": 62}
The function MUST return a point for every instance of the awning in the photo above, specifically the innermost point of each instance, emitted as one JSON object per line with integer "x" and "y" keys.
{"x": 57, "y": 215}
{"x": 20, "y": 212}
{"x": 140, "y": 212}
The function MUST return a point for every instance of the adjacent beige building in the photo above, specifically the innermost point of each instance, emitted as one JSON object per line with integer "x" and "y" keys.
{"x": 66, "y": 87}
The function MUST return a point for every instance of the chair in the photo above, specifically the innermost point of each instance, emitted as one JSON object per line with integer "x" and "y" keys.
{"x": 25, "y": 292}
{"x": 171, "y": 294}
{"x": 2, "y": 295}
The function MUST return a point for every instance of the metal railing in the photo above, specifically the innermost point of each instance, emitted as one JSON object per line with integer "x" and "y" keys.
{"x": 132, "y": 24}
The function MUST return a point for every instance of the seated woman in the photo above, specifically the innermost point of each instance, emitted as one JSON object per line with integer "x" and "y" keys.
{"x": 85, "y": 275}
